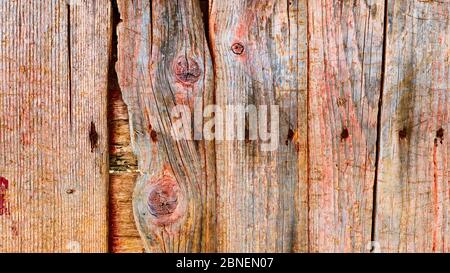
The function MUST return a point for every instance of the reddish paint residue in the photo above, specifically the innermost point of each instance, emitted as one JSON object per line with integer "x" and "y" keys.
{"x": 436, "y": 210}
{"x": 25, "y": 139}
{"x": 4, "y": 184}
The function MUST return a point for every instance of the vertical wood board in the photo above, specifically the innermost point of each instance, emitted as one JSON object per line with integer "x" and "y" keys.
{"x": 413, "y": 195}
{"x": 53, "y": 133}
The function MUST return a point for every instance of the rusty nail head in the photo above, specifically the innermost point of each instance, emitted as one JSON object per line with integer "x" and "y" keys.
{"x": 237, "y": 48}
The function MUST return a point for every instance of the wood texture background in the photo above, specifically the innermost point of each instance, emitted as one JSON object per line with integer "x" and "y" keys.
{"x": 53, "y": 85}
{"x": 363, "y": 89}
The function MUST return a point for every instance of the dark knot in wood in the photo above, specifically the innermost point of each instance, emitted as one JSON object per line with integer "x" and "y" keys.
{"x": 187, "y": 71}
{"x": 163, "y": 198}
{"x": 237, "y": 48}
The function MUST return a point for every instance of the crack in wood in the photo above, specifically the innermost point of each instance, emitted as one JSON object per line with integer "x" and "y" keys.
{"x": 379, "y": 128}
{"x": 69, "y": 61}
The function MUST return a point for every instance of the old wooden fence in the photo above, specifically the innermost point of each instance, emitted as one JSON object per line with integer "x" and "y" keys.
{"x": 362, "y": 162}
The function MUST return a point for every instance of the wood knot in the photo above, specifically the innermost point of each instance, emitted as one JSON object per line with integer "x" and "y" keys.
{"x": 187, "y": 71}
{"x": 237, "y": 48}
{"x": 345, "y": 134}
{"x": 163, "y": 199}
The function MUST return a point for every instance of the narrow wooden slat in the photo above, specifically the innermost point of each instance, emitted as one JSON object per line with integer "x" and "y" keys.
{"x": 53, "y": 131}
{"x": 413, "y": 195}
{"x": 345, "y": 64}
{"x": 123, "y": 165}
{"x": 259, "y": 50}
{"x": 163, "y": 62}
{"x": 121, "y": 157}
{"x": 123, "y": 233}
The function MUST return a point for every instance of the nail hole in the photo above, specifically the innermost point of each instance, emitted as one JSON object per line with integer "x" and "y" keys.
{"x": 345, "y": 134}
{"x": 247, "y": 135}
{"x": 403, "y": 133}
{"x": 440, "y": 135}
{"x": 290, "y": 136}
{"x": 93, "y": 137}
{"x": 154, "y": 135}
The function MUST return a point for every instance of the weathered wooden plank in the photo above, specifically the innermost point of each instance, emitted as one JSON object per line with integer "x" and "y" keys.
{"x": 413, "y": 195}
{"x": 123, "y": 234}
{"x": 121, "y": 155}
{"x": 123, "y": 163}
{"x": 345, "y": 64}
{"x": 259, "y": 51}
{"x": 163, "y": 62}
{"x": 53, "y": 131}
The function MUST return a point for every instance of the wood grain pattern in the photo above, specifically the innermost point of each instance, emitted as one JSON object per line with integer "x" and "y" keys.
{"x": 123, "y": 164}
{"x": 123, "y": 234}
{"x": 337, "y": 102}
{"x": 163, "y": 61}
{"x": 345, "y": 64}
{"x": 259, "y": 51}
{"x": 346, "y": 93}
{"x": 413, "y": 195}
{"x": 53, "y": 82}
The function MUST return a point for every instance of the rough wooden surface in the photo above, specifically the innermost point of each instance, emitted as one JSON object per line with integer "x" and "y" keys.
{"x": 320, "y": 61}
{"x": 53, "y": 82}
{"x": 329, "y": 91}
{"x": 345, "y": 64}
{"x": 413, "y": 196}
{"x": 163, "y": 61}
{"x": 260, "y": 199}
